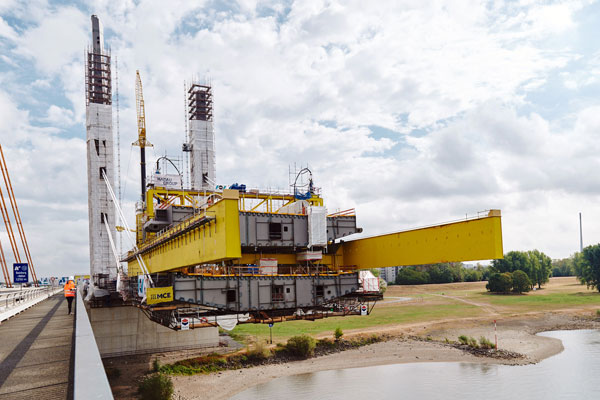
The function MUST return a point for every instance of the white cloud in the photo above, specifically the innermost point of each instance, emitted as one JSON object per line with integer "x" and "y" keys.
{"x": 59, "y": 37}
{"x": 302, "y": 87}
{"x": 585, "y": 75}
{"x": 59, "y": 116}
{"x": 7, "y": 31}
{"x": 41, "y": 83}
{"x": 11, "y": 118}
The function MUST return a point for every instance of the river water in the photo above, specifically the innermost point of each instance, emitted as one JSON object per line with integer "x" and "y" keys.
{"x": 572, "y": 374}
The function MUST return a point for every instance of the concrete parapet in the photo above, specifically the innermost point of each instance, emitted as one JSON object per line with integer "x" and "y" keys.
{"x": 126, "y": 330}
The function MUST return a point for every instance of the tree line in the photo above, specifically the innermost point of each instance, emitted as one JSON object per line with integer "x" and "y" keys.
{"x": 586, "y": 266}
{"x": 567, "y": 266}
{"x": 441, "y": 273}
{"x": 535, "y": 269}
{"x": 518, "y": 271}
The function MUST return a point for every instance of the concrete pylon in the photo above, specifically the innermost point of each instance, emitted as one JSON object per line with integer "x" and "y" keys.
{"x": 202, "y": 137}
{"x": 100, "y": 155}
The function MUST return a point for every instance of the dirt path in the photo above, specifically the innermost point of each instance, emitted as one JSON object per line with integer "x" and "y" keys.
{"x": 485, "y": 307}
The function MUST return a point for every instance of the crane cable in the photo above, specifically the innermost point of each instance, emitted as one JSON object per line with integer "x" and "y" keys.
{"x": 112, "y": 246}
{"x": 127, "y": 229}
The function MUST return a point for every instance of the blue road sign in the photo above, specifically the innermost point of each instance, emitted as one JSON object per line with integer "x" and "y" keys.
{"x": 270, "y": 325}
{"x": 20, "y": 273}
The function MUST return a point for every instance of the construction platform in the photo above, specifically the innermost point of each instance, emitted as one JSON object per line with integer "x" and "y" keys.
{"x": 36, "y": 352}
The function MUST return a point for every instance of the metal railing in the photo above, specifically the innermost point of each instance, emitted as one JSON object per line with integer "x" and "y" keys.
{"x": 14, "y": 302}
{"x": 91, "y": 381}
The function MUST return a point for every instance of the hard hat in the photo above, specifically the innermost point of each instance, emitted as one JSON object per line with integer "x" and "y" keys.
{"x": 71, "y": 278}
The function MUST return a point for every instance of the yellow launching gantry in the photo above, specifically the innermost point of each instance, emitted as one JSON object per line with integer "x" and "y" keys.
{"x": 228, "y": 231}
{"x": 263, "y": 256}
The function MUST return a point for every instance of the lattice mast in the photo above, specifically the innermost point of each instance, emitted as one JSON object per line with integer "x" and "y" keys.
{"x": 186, "y": 148}
{"x": 120, "y": 194}
{"x": 141, "y": 122}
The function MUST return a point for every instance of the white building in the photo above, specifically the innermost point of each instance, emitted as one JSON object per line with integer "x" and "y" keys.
{"x": 389, "y": 273}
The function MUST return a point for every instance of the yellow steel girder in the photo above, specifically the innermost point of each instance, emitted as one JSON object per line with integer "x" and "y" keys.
{"x": 179, "y": 247}
{"x": 474, "y": 239}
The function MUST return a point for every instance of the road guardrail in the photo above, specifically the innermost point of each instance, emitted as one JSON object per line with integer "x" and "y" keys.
{"x": 15, "y": 302}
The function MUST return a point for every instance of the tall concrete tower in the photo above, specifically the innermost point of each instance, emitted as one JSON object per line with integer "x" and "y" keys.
{"x": 202, "y": 136}
{"x": 100, "y": 157}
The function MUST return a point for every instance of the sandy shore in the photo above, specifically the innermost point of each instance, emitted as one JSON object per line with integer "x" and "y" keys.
{"x": 516, "y": 334}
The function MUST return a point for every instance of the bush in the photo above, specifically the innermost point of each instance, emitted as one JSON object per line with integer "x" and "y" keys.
{"x": 473, "y": 275}
{"x": 485, "y": 343}
{"x": 463, "y": 339}
{"x": 473, "y": 342}
{"x": 155, "y": 365}
{"x": 259, "y": 351}
{"x": 156, "y": 387}
{"x": 338, "y": 333}
{"x": 382, "y": 285}
{"x": 521, "y": 282}
{"x": 326, "y": 344}
{"x": 301, "y": 346}
{"x": 500, "y": 283}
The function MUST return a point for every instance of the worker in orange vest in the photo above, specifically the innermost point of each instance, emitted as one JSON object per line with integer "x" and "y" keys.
{"x": 69, "y": 289}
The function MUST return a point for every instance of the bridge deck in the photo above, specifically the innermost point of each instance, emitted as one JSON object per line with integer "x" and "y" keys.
{"x": 36, "y": 350}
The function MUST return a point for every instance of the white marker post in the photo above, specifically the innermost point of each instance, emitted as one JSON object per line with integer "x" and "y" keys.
{"x": 495, "y": 335}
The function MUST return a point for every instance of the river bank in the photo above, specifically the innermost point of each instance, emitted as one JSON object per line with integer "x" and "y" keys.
{"x": 516, "y": 334}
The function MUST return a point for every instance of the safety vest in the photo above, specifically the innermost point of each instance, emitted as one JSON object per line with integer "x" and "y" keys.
{"x": 69, "y": 289}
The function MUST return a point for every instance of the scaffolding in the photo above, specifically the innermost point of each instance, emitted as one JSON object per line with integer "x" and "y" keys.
{"x": 98, "y": 87}
{"x": 100, "y": 153}
{"x": 202, "y": 136}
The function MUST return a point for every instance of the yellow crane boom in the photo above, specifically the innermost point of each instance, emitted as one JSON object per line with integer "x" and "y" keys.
{"x": 141, "y": 122}
{"x": 213, "y": 236}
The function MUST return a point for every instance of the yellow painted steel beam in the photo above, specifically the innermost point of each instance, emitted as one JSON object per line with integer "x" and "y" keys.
{"x": 259, "y": 204}
{"x": 469, "y": 240}
{"x": 189, "y": 198}
{"x": 215, "y": 241}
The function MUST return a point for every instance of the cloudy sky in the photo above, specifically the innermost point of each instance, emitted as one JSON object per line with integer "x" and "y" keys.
{"x": 413, "y": 112}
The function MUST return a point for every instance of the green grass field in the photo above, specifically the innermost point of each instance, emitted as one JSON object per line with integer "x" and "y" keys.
{"x": 379, "y": 317}
{"x": 433, "y": 303}
{"x": 551, "y": 299}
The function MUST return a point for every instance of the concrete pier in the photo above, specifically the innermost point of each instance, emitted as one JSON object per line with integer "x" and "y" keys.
{"x": 126, "y": 330}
